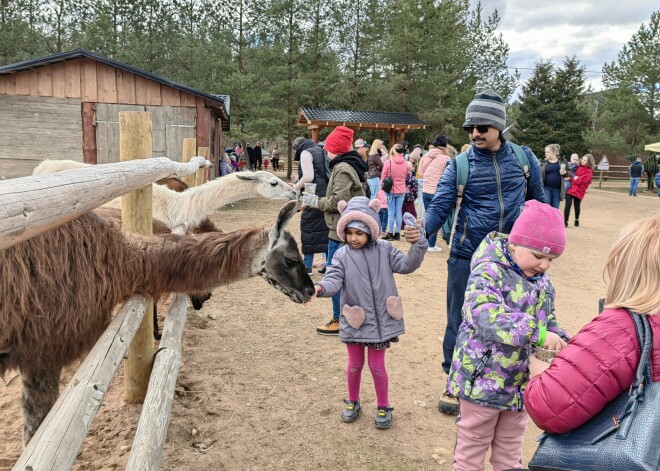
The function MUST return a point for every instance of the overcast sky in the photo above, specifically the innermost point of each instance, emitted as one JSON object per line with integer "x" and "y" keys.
{"x": 594, "y": 31}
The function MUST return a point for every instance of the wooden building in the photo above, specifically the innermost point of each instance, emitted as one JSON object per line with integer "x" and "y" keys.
{"x": 394, "y": 124}
{"x": 66, "y": 106}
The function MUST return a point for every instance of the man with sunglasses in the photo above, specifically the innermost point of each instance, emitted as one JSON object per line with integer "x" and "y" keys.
{"x": 496, "y": 190}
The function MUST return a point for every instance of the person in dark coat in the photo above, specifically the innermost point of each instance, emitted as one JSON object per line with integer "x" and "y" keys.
{"x": 311, "y": 169}
{"x": 257, "y": 156}
{"x": 252, "y": 157}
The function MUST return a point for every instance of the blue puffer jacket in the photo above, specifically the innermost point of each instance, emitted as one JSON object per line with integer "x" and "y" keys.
{"x": 493, "y": 198}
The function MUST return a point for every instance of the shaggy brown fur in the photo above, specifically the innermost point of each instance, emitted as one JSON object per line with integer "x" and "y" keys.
{"x": 58, "y": 289}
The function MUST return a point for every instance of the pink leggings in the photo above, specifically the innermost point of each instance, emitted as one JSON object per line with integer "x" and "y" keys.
{"x": 378, "y": 372}
{"x": 479, "y": 428}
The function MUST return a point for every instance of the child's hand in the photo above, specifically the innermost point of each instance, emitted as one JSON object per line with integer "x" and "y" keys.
{"x": 317, "y": 290}
{"x": 554, "y": 341}
{"x": 536, "y": 366}
{"x": 413, "y": 230}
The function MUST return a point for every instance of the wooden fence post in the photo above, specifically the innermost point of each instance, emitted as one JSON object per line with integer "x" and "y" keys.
{"x": 201, "y": 176}
{"x": 135, "y": 129}
{"x": 189, "y": 149}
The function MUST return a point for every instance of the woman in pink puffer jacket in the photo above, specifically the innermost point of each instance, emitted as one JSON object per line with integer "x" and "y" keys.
{"x": 397, "y": 168}
{"x": 599, "y": 363}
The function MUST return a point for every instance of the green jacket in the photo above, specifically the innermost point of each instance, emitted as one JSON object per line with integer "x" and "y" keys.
{"x": 344, "y": 184}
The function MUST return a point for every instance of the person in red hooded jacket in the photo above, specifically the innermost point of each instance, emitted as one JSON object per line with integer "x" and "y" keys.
{"x": 579, "y": 184}
{"x": 599, "y": 363}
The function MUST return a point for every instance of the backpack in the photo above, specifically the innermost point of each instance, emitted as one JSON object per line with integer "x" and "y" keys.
{"x": 462, "y": 173}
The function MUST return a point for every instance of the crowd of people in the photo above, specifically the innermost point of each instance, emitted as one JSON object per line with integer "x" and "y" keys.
{"x": 497, "y": 205}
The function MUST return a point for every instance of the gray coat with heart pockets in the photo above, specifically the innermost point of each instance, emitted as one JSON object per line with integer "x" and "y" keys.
{"x": 372, "y": 311}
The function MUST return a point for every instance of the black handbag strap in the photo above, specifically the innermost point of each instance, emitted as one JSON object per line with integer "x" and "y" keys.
{"x": 645, "y": 340}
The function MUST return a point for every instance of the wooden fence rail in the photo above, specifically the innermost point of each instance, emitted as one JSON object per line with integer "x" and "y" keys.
{"x": 32, "y": 205}
{"x": 147, "y": 450}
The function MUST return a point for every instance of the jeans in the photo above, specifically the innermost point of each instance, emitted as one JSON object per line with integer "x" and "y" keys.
{"x": 634, "y": 183}
{"x": 553, "y": 196}
{"x": 458, "y": 272}
{"x": 374, "y": 186}
{"x": 333, "y": 246}
{"x": 394, "y": 218}
{"x": 383, "y": 219}
{"x": 427, "y": 198}
{"x": 308, "y": 260}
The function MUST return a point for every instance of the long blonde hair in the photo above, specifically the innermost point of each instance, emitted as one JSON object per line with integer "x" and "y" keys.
{"x": 632, "y": 271}
{"x": 375, "y": 146}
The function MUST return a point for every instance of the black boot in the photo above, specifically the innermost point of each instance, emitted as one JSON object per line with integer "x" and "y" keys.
{"x": 577, "y": 223}
{"x": 388, "y": 236}
{"x": 397, "y": 236}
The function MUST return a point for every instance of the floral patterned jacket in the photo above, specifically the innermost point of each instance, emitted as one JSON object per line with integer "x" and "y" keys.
{"x": 502, "y": 315}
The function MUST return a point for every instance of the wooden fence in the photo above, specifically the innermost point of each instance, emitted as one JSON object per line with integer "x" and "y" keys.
{"x": 35, "y": 204}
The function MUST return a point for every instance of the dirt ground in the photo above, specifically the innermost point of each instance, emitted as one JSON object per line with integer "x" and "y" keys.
{"x": 259, "y": 389}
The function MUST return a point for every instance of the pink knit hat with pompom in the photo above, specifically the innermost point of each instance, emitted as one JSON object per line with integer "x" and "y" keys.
{"x": 362, "y": 209}
{"x": 540, "y": 227}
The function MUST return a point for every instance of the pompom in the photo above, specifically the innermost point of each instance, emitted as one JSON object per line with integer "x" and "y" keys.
{"x": 374, "y": 204}
{"x": 341, "y": 206}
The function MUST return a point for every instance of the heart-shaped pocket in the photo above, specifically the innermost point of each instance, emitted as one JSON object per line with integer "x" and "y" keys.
{"x": 394, "y": 307}
{"x": 354, "y": 315}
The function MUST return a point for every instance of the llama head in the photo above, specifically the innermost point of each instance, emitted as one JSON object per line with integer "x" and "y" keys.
{"x": 268, "y": 185}
{"x": 281, "y": 264}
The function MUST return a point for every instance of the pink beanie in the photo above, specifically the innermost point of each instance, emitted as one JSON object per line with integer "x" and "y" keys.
{"x": 340, "y": 140}
{"x": 540, "y": 227}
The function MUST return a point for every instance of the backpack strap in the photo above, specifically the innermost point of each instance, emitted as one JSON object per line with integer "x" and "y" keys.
{"x": 462, "y": 172}
{"x": 522, "y": 158}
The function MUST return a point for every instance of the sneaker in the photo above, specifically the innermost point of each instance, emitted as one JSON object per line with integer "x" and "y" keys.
{"x": 397, "y": 236}
{"x": 310, "y": 272}
{"x": 577, "y": 223}
{"x": 388, "y": 236}
{"x": 448, "y": 404}
{"x": 351, "y": 411}
{"x": 383, "y": 417}
{"x": 435, "y": 249}
{"x": 331, "y": 328}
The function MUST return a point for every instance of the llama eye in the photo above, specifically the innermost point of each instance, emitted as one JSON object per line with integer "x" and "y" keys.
{"x": 290, "y": 263}
{"x": 274, "y": 183}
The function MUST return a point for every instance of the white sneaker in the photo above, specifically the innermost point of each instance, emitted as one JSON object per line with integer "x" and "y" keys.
{"x": 435, "y": 249}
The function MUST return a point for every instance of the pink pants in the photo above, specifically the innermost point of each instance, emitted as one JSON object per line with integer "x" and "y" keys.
{"x": 480, "y": 427}
{"x": 378, "y": 372}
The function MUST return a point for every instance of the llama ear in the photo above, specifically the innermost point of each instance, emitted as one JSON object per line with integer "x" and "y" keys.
{"x": 286, "y": 213}
{"x": 341, "y": 206}
{"x": 375, "y": 205}
{"x": 249, "y": 176}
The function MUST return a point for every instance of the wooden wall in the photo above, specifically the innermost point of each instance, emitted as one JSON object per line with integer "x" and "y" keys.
{"x": 94, "y": 81}
{"x": 170, "y": 125}
{"x": 37, "y": 128}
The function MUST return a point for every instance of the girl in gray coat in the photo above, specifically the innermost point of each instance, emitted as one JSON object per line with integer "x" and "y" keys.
{"x": 372, "y": 315}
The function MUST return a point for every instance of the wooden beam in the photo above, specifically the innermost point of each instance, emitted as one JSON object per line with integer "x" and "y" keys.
{"x": 147, "y": 449}
{"x": 315, "y": 135}
{"x": 32, "y": 205}
{"x": 135, "y": 141}
{"x": 189, "y": 149}
{"x": 89, "y": 132}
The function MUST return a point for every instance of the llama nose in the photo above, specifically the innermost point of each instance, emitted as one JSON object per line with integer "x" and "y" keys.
{"x": 310, "y": 290}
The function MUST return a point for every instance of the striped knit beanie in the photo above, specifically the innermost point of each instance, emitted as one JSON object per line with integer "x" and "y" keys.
{"x": 487, "y": 108}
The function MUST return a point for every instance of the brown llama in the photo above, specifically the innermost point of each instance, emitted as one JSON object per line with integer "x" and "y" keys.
{"x": 58, "y": 289}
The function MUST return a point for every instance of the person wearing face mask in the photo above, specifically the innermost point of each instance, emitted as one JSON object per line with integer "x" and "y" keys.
{"x": 496, "y": 190}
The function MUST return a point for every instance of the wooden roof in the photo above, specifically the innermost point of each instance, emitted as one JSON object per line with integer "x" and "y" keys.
{"x": 382, "y": 120}
{"x": 216, "y": 102}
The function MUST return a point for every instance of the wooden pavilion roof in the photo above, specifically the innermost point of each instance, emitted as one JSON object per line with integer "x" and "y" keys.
{"x": 383, "y": 120}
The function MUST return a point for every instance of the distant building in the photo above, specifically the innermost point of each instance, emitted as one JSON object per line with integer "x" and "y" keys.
{"x": 66, "y": 106}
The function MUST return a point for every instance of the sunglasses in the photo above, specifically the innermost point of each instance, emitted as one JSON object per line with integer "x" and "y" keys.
{"x": 481, "y": 128}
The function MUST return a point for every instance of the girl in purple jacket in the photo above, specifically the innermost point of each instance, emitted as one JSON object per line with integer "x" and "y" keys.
{"x": 372, "y": 314}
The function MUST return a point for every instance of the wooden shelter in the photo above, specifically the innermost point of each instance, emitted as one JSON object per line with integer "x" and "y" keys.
{"x": 66, "y": 106}
{"x": 395, "y": 124}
